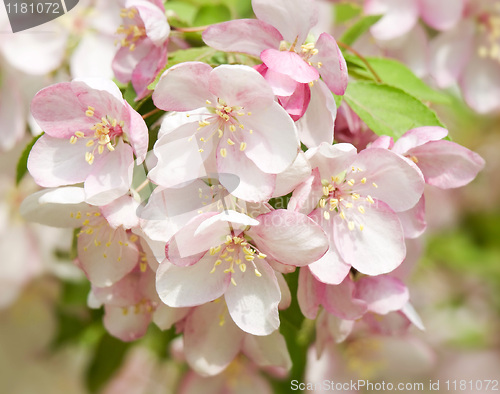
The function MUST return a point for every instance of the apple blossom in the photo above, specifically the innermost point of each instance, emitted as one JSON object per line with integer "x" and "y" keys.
{"x": 91, "y": 136}
{"x": 248, "y": 133}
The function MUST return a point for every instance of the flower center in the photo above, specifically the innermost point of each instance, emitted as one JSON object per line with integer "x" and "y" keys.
{"x": 223, "y": 122}
{"x": 306, "y": 51}
{"x": 340, "y": 197}
{"x": 236, "y": 251}
{"x": 105, "y": 135}
{"x": 489, "y": 25}
{"x": 131, "y": 32}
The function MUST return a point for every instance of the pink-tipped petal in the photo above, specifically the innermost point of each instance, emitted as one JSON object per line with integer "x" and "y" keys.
{"x": 147, "y": 68}
{"x": 416, "y": 137}
{"x": 334, "y": 68}
{"x": 413, "y": 220}
{"x": 293, "y": 18}
{"x": 242, "y": 86}
{"x": 330, "y": 268}
{"x": 183, "y": 87}
{"x": 339, "y": 300}
{"x": 446, "y": 164}
{"x": 289, "y": 237}
{"x": 331, "y": 159}
{"x": 306, "y": 196}
{"x": 249, "y": 36}
{"x": 289, "y": 63}
{"x": 281, "y": 84}
{"x": 126, "y": 326}
{"x": 309, "y": 293}
{"x": 297, "y": 103}
{"x": 383, "y": 294}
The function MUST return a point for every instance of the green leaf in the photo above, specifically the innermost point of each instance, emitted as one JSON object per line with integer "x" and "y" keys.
{"x": 345, "y": 11}
{"x": 197, "y": 54}
{"x": 397, "y": 74}
{"x": 358, "y": 29}
{"x": 129, "y": 95}
{"x": 388, "y": 110}
{"x": 22, "y": 164}
{"x": 210, "y": 14}
{"x": 106, "y": 360}
{"x": 184, "y": 12}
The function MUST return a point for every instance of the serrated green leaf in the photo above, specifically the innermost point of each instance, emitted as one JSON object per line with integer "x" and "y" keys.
{"x": 397, "y": 74}
{"x": 211, "y": 14}
{"x": 106, "y": 360}
{"x": 388, "y": 110}
{"x": 22, "y": 163}
{"x": 184, "y": 55}
{"x": 358, "y": 29}
{"x": 346, "y": 11}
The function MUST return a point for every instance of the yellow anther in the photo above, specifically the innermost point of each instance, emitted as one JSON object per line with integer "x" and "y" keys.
{"x": 322, "y": 203}
{"x": 243, "y": 146}
{"x": 233, "y": 281}
{"x": 89, "y": 143}
{"x": 374, "y": 185}
{"x": 326, "y": 191}
{"x": 119, "y": 258}
{"x": 414, "y": 159}
{"x": 350, "y": 225}
{"x": 208, "y": 102}
{"x": 348, "y": 204}
{"x": 311, "y": 84}
{"x": 363, "y": 181}
{"x": 143, "y": 266}
{"x": 221, "y": 133}
{"x": 342, "y": 215}
{"x": 249, "y": 257}
{"x": 125, "y": 311}
{"x": 105, "y": 255}
{"x": 361, "y": 227}
{"x": 110, "y": 147}
{"x": 89, "y": 157}
{"x": 108, "y": 244}
{"x": 223, "y": 152}
{"x": 89, "y": 112}
{"x": 230, "y": 141}
{"x": 257, "y": 273}
{"x": 355, "y": 196}
{"x": 350, "y": 182}
{"x": 79, "y": 134}
{"x": 100, "y": 149}
{"x": 73, "y": 140}
{"x": 326, "y": 215}
{"x": 370, "y": 199}
{"x": 249, "y": 113}
{"x": 361, "y": 209}
{"x": 262, "y": 256}
{"x": 78, "y": 215}
{"x": 97, "y": 214}
{"x": 133, "y": 238}
{"x": 243, "y": 267}
{"x": 232, "y": 128}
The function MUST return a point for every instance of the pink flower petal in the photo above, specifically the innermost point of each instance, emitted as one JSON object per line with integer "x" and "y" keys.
{"x": 289, "y": 63}
{"x": 340, "y": 301}
{"x": 297, "y": 103}
{"x": 125, "y": 60}
{"x": 399, "y": 17}
{"x": 383, "y": 294}
{"x": 268, "y": 350}
{"x": 273, "y": 144}
{"x": 125, "y": 326}
{"x": 480, "y": 84}
{"x": 293, "y": 18}
{"x": 289, "y": 237}
{"x": 155, "y": 21}
{"x": 441, "y": 15}
{"x": 379, "y": 248}
{"x": 147, "y": 68}
{"x": 293, "y": 176}
{"x": 54, "y": 162}
{"x": 309, "y": 293}
{"x": 281, "y": 84}
{"x": 389, "y": 178}
{"x": 254, "y": 185}
{"x": 244, "y": 35}
{"x": 416, "y": 137}
{"x": 330, "y": 268}
{"x": 165, "y": 317}
{"x": 413, "y": 220}
{"x": 446, "y": 164}
{"x": 253, "y": 302}
{"x": 183, "y": 87}
{"x": 190, "y": 286}
{"x": 106, "y": 257}
{"x": 111, "y": 175}
{"x": 334, "y": 68}
{"x": 331, "y": 159}
{"x": 242, "y": 86}
{"x": 306, "y": 196}
{"x": 210, "y": 347}
{"x": 339, "y": 328}
{"x": 450, "y": 52}
{"x": 122, "y": 212}
{"x": 317, "y": 124}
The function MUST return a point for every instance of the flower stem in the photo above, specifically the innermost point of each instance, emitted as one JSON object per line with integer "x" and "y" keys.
{"x": 150, "y": 113}
{"x": 191, "y": 29}
{"x": 362, "y": 58}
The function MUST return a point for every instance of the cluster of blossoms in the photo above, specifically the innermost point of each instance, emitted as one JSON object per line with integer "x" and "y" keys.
{"x": 186, "y": 227}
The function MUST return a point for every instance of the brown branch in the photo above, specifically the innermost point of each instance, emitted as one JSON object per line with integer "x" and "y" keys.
{"x": 362, "y": 58}
{"x": 147, "y": 115}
